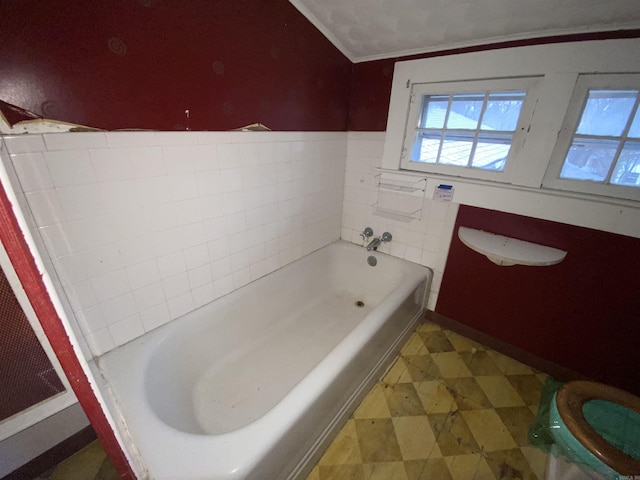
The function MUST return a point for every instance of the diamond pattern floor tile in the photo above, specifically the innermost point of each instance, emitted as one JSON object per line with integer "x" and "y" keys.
{"x": 447, "y": 409}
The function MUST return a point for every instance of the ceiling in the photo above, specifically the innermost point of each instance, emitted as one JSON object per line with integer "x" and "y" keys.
{"x": 373, "y": 29}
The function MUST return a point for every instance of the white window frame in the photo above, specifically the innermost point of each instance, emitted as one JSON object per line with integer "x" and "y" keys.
{"x": 418, "y": 90}
{"x": 552, "y": 178}
{"x": 521, "y": 191}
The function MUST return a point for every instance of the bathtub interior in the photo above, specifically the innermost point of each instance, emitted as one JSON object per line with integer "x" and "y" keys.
{"x": 219, "y": 375}
{"x": 154, "y": 383}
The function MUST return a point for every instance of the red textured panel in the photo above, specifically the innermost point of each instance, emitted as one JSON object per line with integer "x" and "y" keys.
{"x": 26, "y": 374}
{"x": 141, "y": 64}
{"x": 581, "y": 314}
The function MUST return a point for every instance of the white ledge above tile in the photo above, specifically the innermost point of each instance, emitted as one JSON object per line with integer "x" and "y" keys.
{"x": 508, "y": 251}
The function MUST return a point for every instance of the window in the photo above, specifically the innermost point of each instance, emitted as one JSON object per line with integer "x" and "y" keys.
{"x": 466, "y": 128}
{"x": 598, "y": 150}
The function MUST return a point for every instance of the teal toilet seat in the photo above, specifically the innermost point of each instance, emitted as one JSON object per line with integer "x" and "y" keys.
{"x": 598, "y": 426}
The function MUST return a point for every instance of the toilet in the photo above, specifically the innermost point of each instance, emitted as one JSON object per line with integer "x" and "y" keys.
{"x": 598, "y": 428}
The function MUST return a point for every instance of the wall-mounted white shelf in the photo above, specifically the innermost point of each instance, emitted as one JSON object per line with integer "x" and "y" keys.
{"x": 507, "y": 251}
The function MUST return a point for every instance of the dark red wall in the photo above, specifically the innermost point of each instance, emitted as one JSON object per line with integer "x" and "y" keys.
{"x": 583, "y": 313}
{"x": 371, "y": 81}
{"x": 141, "y": 63}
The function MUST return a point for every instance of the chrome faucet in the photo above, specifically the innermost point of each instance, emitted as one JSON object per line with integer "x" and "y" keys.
{"x": 376, "y": 242}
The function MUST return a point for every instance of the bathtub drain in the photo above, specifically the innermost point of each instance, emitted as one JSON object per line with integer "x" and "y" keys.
{"x": 359, "y": 303}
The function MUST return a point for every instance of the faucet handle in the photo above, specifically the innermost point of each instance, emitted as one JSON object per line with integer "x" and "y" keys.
{"x": 386, "y": 237}
{"x": 368, "y": 232}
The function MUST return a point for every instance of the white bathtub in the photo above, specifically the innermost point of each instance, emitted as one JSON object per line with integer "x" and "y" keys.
{"x": 255, "y": 384}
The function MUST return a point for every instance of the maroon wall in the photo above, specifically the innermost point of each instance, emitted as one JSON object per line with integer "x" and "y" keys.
{"x": 141, "y": 63}
{"x": 582, "y": 313}
{"x": 371, "y": 81}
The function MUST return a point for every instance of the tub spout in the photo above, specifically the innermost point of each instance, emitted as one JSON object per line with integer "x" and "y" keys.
{"x": 374, "y": 244}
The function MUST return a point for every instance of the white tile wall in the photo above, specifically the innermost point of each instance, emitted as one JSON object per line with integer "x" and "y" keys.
{"x": 424, "y": 241}
{"x": 143, "y": 227}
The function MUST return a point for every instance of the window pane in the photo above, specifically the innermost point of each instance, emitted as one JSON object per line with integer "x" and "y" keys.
{"x": 627, "y": 171}
{"x": 589, "y": 159}
{"x": 634, "y": 131}
{"x": 491, "y": 151}
{"x": 456, "y": 149}
{"x": 503, "y": 111}
{"x": 465, "y": 111}
{"x": 606, "y": 112}
{"x": 434, "y": 110}
{"x": 426, "y": 146}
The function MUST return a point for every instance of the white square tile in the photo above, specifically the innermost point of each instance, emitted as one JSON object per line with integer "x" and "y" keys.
{"x": 192, "y": 235}
{"x": 236, "y": 222}
{"x": 100, "y": 342}
{"x": 212, "y": 206}
{"x": 70, "y": 167}
{"x": 233, "y": 202}
{"x": 118, "y": 308}
{"x": 183, "y": 186}
{"x": 159, "y": 217}
{"x": 90, "y": 320}
{"x": 136, "y": 249}
{"x": 56, "y": 240}
{"x": 74, "y": 140}
{"x": 200, "y": 276}
{"x": 209, "y": 183}
{"x": 111, "y": 164}
{"x": 80, "y": 295}
{"x": 126, "y": 330}
{"x": 171, "y": 264}
{"x": 89, "y": 232}
{"x": 221, "y": 268}
{"x": 188, "y": 211}
{"x": 240, "y": 261}
{"x": 149, "y": 296}
{"x": 70, "y": 269}
{"x": 272, "y": 263}
{"x": 142, "y": 274}
{"x": 81, "y": 201}
{"x": 215, "y": 228}
{"x": 32, "y": 171}
{"x": 166, "y": 242}
{"x": 24, "y": 143}
{"x": 110, "y": 285}
{"x": 196, "y": 256}
{"x": 131, "y": 139}
{"x": 178, "y": 158}
{"x": 180, "y": 305}
{"x": 241, "y": 277}
{"x": 101, "y": 260}
{"x": 203, "y": 295}
{"x": 231, "y": 180}
{"x": 238, "y": 242}
{"x": 257, "y": 270}
{"x": 205, "y": 158}
{"x": 218, "y": 248}
{"x": 176, "y": 138}
{"x": 155, "y": 316}
{"x": 120, "y": 195}
{"x": 256, "y": 253}
{"x": 229, "y": 155}
{"x": 153, "y": 190}
{"x": 46, "y": 207}
{"x": 147, "y": 162}
{"x": 128, "y": 223}
{"x": 223, "y": 285}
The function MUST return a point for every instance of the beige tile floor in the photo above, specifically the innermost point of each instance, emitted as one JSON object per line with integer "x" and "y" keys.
{"x": 448, "y": 408}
